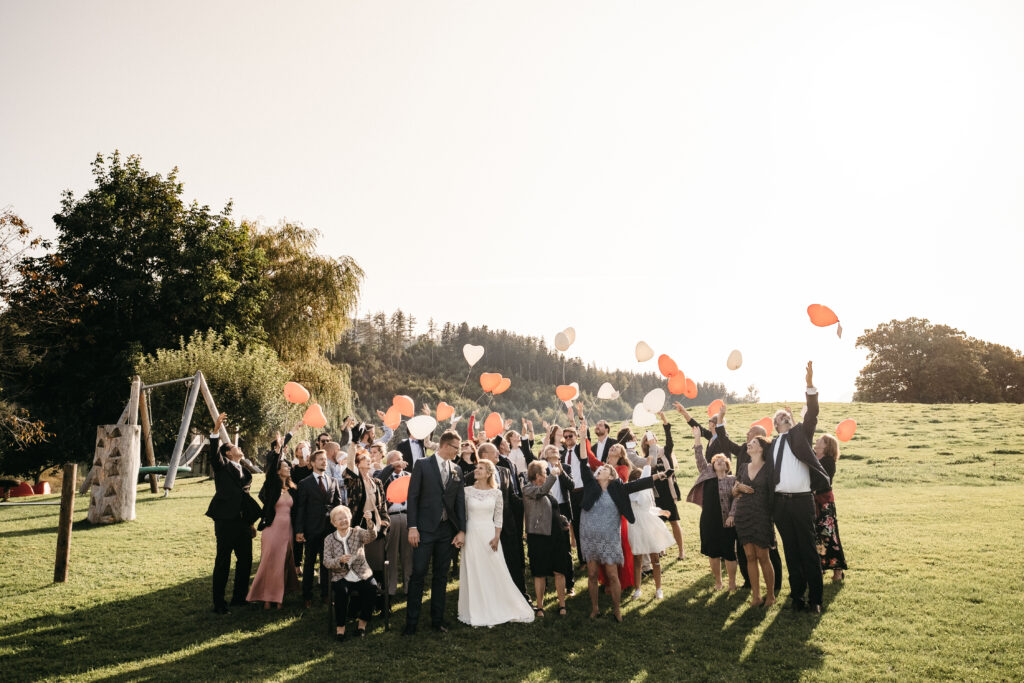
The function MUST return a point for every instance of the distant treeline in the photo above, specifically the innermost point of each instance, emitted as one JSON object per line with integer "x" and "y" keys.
{"x": 387, "y": 357}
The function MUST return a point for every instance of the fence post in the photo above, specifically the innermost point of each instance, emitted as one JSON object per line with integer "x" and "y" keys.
{"x": 67, "y": 510}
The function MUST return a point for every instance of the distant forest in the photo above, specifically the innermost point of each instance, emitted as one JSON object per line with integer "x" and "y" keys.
{"x": 387, "y": 357}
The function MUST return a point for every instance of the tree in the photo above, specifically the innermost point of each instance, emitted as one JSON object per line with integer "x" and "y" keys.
{"x": 314, "y": 295}
{"x": 144, "y": 269}
{"x": 915, "y": 361}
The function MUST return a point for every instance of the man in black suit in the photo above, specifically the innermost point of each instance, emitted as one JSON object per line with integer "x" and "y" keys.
{"x": 233, "y": 512}
{"x": 315, "y": 497}
{"x": 604, "y": 441}
{"x": 797, "y": 473}
{"x": 569, "y": 456}
{"x": 512, "y": 516}
{"x": 437, "y": 521}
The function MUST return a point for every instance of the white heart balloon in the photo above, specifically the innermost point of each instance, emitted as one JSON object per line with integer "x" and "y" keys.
{"x": 654, "y": 401}
{"x": 576, "y": 386}
{"x": 421, "y": 426}
{"x": 643, "y": 417}
{"x": 570, "y": 332}
{"x": 606, "y": 391}
{"x": 735, "y": 360}
{"x": 562, "y": 342}
{"x": 614, "y": 395}
{"x": 472, "y": 353}
{"x": 644, "y": 352}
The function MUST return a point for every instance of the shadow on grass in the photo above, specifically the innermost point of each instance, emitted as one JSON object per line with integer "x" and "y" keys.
{"x": 171, "y": 634}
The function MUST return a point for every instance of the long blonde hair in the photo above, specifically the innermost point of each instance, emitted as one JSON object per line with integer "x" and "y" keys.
{"x": 489, "y": 466}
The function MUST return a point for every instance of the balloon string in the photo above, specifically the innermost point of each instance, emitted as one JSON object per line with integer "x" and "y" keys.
{"x": 463, "y": 389}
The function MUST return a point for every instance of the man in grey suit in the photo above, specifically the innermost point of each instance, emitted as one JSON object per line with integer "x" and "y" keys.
{"x": 315, "y": 497}
{"x": 437, "y": 521}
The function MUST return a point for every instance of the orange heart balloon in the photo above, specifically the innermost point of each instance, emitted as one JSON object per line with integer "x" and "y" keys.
{"x": 766, "y": 423}
{"x": 489, "y": 380}
{"x": 393, "y": 417}
{"x": 493, "y": 425}
{"x": 314, "y": 417}
{"x": 398, "y": 490}
{"x": 667, "y": 366}
{"x": 822, "y": 316}
{"x": 295, "y": 393}
{"x": 503, "y": 386}
{"x": 405, "y": 406}
{"x": 691, "y": 389}
{"x": 846, "y": 429}
{"x": 444, "y": 411}
{"x": 677, "y": 383}
{"x": 715, "y": 406}
{"x": 565, "y": 392}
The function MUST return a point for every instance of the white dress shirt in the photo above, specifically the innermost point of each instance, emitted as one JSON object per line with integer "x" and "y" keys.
{"x": 518, "y": 459}
{"x": 417, "y": 450}
{"x": 601, "y": 449}
{"x": 556, "y": 490}
{"x": 794, "y": 476}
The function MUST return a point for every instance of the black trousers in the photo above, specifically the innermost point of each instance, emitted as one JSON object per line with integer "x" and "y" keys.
{"x": 314, "y": 548}
{"x": 794, "y": 518}
{"x": 773, "y": 555}
{"x": 515, "y": 560}
{"x": 436, "y": 546}
{"x": 233, "y": 536}
{"x": 365, "y": 592}
{"x": 566, "y": 509}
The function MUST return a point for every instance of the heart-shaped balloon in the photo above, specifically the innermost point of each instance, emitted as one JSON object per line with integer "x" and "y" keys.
{"x": 606, "y": 391}
{"x": 691, "y": 389}
{"x": 666, "y": 365}
{"x": 765, "y": 423}
{"x": 393, "y": 417}
{"x": 654, "y": 401}
{"x": 562, "y": 342}
{"x": 677, "y": 384}
{"x": 644, "y": 352}
{"x": 846, "y": 429}
{"x": 566, "y": 392}
{"x": 643, "y": 417}
{"x": 314, "y": 417}
{"x": 421, "y": 426}
{"x": 405, "y": 405}
{"x": 493, "y": 425}
{"x": 444, "y": 411}
{"x": 502, "y": 387}
{"x": 472, "y": 354}
{"x": 489, "y": 380}
{"x": 715, "y": 406}
{"x": 295, "y": 393}
{"x": 735, "y": 360}
{"x": 570, "y": 332}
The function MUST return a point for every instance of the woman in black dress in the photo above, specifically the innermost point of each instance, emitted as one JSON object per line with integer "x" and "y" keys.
{"x": 713, "y": 493}
{"x": 547, "y": 544}
{"x": 830, "y": 548}
{"x": 753, "y": 519}
{"x": 666, "y": 491}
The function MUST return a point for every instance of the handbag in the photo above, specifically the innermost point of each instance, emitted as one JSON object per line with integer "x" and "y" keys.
{"x": 563, "y": 522}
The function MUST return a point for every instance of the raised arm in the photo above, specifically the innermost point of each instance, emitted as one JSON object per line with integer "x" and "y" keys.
{"x": 698, "y": 452}
{"x": 669, "y": 444}
{"x": 811, "y": 418}
{"x": 704, "y": 432}
{"x": 531, "y": 490}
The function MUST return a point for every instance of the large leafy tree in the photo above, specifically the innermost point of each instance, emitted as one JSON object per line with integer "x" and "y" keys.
{"x": 153, "y": 268}
{"x": 916, "y": 361}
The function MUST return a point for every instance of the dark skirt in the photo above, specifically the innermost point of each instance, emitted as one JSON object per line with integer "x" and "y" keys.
{"x": 663, "y": 499}
{"x": 550, "y": 554}
{"x": 830, "y": 548}
{"x": 716, "y": 540}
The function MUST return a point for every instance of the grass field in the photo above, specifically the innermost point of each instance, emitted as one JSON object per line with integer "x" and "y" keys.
{"x": 929, "y": 502}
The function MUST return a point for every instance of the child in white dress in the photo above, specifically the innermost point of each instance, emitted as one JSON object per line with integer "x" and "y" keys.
{"x": 648, "y": 536}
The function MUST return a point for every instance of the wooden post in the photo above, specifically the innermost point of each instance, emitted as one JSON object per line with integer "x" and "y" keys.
{"x": 179, "y": 445}
{"x": 67, "y": 510}
{"x": 133, "y": 402}
{"x": 147, "y": 435}
{"x": 224, "y": 436}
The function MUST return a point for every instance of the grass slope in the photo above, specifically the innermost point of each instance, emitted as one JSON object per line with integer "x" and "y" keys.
{"x": 929, "y": 501}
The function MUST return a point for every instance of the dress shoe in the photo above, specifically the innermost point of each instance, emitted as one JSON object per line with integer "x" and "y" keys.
{"x": 798, "y": 605}
{"x": 440, "y": 628}
{"x": 237, "y": 602}
{"x": 815, "y": 610}
{"x": 409, "y": 630}
{"x": 340, "y": 637}
{"x": 360, "y": 633}
{"x": 221, "y": 609}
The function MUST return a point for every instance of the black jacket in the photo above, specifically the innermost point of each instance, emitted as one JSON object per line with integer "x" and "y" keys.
{"x": 357, "y": 499}
{"x": 616, "y": 489}
{"x": 312, "y": 509}
{"x": 428, "y": 496}
{"x": 231, "y": 500}
{"x": 405, "y": 449}
{"x": 800, "y": 437}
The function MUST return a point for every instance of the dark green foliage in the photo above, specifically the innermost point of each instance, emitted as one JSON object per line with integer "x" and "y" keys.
{"x": 914, "y": 361}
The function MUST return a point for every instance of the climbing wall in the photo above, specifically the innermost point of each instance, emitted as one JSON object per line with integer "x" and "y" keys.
{"x": 114, "y": 473}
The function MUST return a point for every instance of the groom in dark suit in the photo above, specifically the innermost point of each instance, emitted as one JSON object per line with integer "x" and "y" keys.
{"x": 315, "y": 497}
{"x": 437, "y": 521}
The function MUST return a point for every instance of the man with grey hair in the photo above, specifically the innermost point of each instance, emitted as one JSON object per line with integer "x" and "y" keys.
{"x": 396, "y": 543}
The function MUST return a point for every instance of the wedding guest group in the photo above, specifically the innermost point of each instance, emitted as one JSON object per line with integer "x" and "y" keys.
{"x": 366, "y": 519}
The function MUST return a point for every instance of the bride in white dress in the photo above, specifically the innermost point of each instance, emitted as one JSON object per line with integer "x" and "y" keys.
{"x": 487, "y": 595}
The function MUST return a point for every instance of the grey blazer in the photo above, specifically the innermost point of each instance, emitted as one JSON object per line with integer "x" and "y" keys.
{"x": 334, "y": 551}
{"x": 538, "y": 507}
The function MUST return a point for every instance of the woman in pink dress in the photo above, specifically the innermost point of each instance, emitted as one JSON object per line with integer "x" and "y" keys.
{"x": 276, "y": 573}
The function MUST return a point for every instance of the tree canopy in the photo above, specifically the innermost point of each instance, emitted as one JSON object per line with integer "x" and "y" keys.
{"x": 915, "y": 361}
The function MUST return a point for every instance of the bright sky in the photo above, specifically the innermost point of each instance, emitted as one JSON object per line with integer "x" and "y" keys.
{"x": 690, "y": 174}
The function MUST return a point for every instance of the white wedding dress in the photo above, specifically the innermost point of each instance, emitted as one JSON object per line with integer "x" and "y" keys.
{"x": 487, "y": 596}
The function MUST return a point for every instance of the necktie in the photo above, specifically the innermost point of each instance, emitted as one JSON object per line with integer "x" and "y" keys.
{"x": 444, "y": 474}
{"x": 320, "y": 479}
{"x": 778, "y": 458}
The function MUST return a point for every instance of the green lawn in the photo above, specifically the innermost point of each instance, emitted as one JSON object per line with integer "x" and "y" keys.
{"x": 929, "y": 501}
